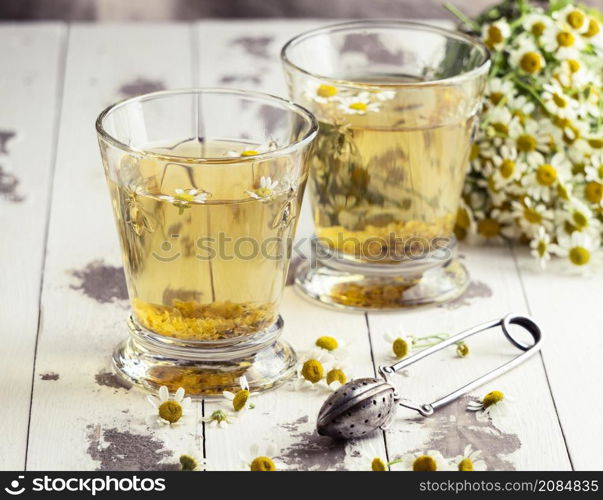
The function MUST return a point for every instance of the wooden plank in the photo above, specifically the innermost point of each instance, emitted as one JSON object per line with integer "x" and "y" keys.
{"x": 31, "y": 60}
{"x": 82, "y": 419}
{"x": 245, "y": 54}
{"x": 529, "y": 438}
{"x": 570, "y": 310}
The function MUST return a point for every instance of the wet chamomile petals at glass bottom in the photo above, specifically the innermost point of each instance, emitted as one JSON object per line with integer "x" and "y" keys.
{"x": 261, "y": 459}
{"x": 168, "y": 410}
{"x": 494, "y": 404}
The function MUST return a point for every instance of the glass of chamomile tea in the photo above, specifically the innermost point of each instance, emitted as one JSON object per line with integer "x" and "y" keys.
{"x": 206, "y": 187}
{"x": 397, "y": 105}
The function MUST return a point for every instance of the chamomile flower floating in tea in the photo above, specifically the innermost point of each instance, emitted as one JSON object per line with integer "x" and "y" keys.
{"x": 494, "y": 405}
{"x": 261, "y": 459}
{"x": 429, "y": 461}
{"x": 192, "y": 461}
{"x": 219, "y": 419}
{"x": 168, "y": 410}
{"x": 470, "y": 460}
{"x": 265, "y": 190}
{"x": 240, "y": 398}
{"x": 183, "y": 198}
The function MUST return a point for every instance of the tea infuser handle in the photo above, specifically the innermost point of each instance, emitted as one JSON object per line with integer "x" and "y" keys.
{"x": 505, "y": 323}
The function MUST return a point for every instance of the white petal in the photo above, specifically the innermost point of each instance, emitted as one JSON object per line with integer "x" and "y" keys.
{"x": 164, "y": 394}
{"x": 153, "y": 401}
{"x": 179, "y": 395}
{"x": 179, "y": 191}
{"x": 271, "y": 450}
{"x": 228, "y": 395}
{"x": 254, "y": 450}
{"x": 186, "y": 403}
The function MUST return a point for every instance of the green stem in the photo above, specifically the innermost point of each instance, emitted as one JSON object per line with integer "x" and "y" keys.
{"x": 461, "y": 16}
{"x": 531, "y": 91}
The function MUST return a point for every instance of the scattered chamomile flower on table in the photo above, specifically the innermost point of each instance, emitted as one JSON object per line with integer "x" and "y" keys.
{"x": 312, "y": 369}
{"x": 401, "y": 344}
{"x": 265, "y": 189}
{"x": 470, "y": 460}
{"x": 219, "y": 419}
{"x": 239, "y": 398}
{"x": 495, "y": 404}
{"x": 372, "y": 460}
{"x": 581, "y": 251}
{"x": 168, "y": 410}
{"x": 337, "y": 375}
{"x": 431, "y": 460}
{"x": 261, "y": 460}
{"x": 335, "y": 346}
{"x": 462, "y": 349}
{"x": 192, "y": 461}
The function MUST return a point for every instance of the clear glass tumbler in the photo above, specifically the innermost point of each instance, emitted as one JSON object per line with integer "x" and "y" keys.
{"x": 206, "y": 186}
{"x": 397, "y": 105}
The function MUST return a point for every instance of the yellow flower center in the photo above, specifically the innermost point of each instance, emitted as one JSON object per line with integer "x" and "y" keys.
{"x": 494, "y": 36}
{"x": 184, "y": 197}
{"x": 466, "y": 465}
{"x": 170, "y": 411}
{"x": 546, "y": 175}
{"x": 492, "y": 398}
{"x": 378, "y": 465}
{"x": 565, "y": 39}
{"x": 424, "y": 463}
{"x": 596, "y": 143}
{"x": 328, "y": 343}
{"x": 336, "y": 375}
{"x": 531, "y": 62}
{"x": 188, "y": 463}
{"x": 580, "y": 219}
{"x": 462, "y": 350}
{"x": 574, "y": 66}
{"x": 240, "y": 399}
{"x": 263, "y": 192}
{"x": 559, "y": 100}
{"x": 538, "y": 28}
{"x": 526, "y": 143}
{"x": 250, "y": 152}
{"x": 262, "y": 464}
{"x": 313, "y": 371}
{"x": 593, "y": 192}
{"x": 488, "y": 228}
{"x": 532, "y": 216}
{"x": 507, "y": 168}
{"x": 562, "y": 192}
{"x": 474, "y": 152}
{"x": 541, "y": 248}
{"x": 501, "y": 128}
{"x": 496, "y": 97}
{"x": 326, "y": 91}
{"x": 400, "y": 347}
{"x": 579, "y": 256}
{"x": 593, "y": 29}
{"x": 358, "y": 106}
{"x": 462, "y": 218}
{"x": 575, "y": 19}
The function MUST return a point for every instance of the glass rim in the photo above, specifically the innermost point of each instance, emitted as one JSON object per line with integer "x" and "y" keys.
{"x": 392, "y": 24}
{"x": 268, "y": 98}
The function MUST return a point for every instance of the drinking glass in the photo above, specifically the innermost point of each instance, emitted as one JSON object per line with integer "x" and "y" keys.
{"x": 397, "y": 105}
{"x": 206, "y": 187}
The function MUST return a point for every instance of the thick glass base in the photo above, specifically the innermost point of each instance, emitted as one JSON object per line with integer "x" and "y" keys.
{"x": 148, "y": 361}
{"x": 338, "y": 283}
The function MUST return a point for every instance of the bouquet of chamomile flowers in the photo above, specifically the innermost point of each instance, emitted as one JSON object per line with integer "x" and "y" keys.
{"x": 536, "y": 172}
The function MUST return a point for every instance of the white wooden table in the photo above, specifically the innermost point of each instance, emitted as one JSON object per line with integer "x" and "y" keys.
{"x": 63, "y": 306}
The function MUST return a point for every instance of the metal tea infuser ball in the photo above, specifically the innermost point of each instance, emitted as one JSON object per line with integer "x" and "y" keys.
{"x": 364, "y": 405}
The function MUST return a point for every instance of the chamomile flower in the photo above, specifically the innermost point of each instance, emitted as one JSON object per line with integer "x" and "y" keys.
{"x": 500, "y": 91}
{"x": 558, "y": 103}
{"x": 498, "y": 225}
{"x": 192, "y": 461}
{"x": 581, "y": 252}
{"x": 337, "y": 375}
{"x": 527, "y": 58}
{"x": 321, "y": 93}
{"x": 530, "y": 140}
{"x": 494, "y": 405}
{"x": 338, "y": 347}
{"x": 359, "y": 104}
{"x": 576, "y": 217}
{"x": 219, "y": 419}
{"x": 496, "y": 34}
{"x": 265, "y": 189}
{"x": 542, "y": 181}
{"x": 593, "y": 33}
{"x": 536, "y": 24}
{"x": 183, "y": 198}
{"x": 500, "y": 121}
{"x": 561, "y": 39}
{"x": 431, "y": 461}
{"x": 372, "y": 459}
{"x": 239, "y": 399}
{"x": 508, "y": 167}
{"x": 469, "y": 460}
{"x": 401, "y": 344}
{"x": 521, "y": 107}
{"x": 572, "y": 19}
{"x": 168, "y": 410}
{"x": 261, "y": 459}
{"x": 531, "y": 216}
{"x": 312, "y": 369}
{"x": 540, "y": 246}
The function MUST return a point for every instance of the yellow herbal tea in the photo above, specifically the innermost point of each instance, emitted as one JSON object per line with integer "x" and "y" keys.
{"x": 205, "y": 245}
{"x": 388, "y": 169}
